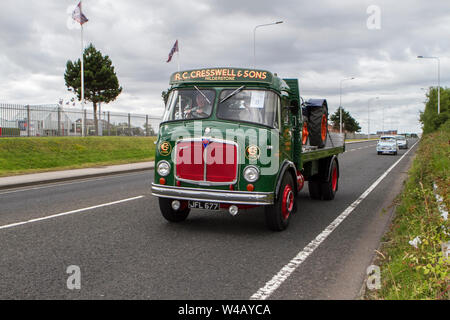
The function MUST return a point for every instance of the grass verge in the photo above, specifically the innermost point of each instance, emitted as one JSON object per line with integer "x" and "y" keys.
{"x": 408, "y": 272}
{"x": 29, "y": 155}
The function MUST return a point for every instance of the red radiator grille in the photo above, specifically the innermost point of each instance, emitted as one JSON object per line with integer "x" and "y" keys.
{"x": 221, "y": 163}
{"x": 220, "y": 166}
{"x": 189, "y": 160}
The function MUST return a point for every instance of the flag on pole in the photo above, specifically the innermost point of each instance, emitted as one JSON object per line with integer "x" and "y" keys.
{"x": 174, "y": 49}
{"x": 78, "y": 15}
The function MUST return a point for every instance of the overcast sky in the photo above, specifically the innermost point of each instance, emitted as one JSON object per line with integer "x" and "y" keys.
{"x": 320, "y": 42}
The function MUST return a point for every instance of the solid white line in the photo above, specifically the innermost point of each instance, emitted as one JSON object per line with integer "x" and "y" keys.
{"x": 67, "y": 213}
{"x": 274, "y": 283}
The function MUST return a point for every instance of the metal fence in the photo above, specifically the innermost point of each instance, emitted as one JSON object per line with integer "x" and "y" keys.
{"x": 55, "y": 120}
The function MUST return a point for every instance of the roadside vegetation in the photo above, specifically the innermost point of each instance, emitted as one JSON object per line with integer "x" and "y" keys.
{"x": 28, "y": 155}
{"x": 411, "y": 258}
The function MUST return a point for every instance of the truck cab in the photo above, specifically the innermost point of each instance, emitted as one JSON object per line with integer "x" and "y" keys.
{"x": 233, "y": 138}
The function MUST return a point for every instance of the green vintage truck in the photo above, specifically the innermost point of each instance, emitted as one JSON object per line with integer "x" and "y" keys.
{"x": 236, "y": 138}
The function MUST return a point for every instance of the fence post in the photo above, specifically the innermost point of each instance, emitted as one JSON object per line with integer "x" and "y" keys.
{"x": 129, "y": 124}
{"x": 146, "y": 125}
{"x": 59, "y": 121}
{"x": 109, "y": 124}
{"x": 28, "y": 120}
{"x": 85, "y": 124}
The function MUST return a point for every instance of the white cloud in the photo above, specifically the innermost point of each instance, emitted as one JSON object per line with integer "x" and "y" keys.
{"x": 320, "y": 42}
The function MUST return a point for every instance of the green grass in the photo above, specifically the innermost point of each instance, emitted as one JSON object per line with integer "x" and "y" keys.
{"x": 422, "y": 273}
{"x": 27, "y": 155}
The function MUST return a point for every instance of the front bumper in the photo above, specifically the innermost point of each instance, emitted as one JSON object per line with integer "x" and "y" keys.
{"x": 213, "y": 195}
{"x": 386, "y": 149}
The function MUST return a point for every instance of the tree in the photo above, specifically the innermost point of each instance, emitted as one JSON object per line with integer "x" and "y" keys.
{"x": 100, "y": 80}
{"x": 349, "y": 124}
{"x": 429, "y": 118}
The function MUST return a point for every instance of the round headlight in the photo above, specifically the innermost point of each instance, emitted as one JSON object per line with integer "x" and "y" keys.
{"x": 163, "y": 168}
{"x": 251, "y": 173}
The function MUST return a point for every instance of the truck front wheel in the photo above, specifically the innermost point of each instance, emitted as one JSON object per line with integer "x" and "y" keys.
{"x": 165, "y": 205}
{"x": 279, "y": 214}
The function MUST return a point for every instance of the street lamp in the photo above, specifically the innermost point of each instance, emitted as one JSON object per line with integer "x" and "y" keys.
{"x": 368, "y": 117}
{"x": 439, "y": 79}
{"x": 254, "y": 38}
{"x": 340, "y": 103}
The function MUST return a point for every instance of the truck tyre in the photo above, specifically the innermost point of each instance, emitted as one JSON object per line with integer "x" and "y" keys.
{"x": 329, "y": 188}
{"x": 165, "y": 205}
{"x": 315, "y": 191}
{"x": 318, "y": 126}
{"x": 279, "y": 214}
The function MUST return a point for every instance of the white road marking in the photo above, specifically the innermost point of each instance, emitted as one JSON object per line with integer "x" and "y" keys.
{"x": 67, "y": 213}
{"x": 374, "y": 145}
{"x": 274, "y": 283}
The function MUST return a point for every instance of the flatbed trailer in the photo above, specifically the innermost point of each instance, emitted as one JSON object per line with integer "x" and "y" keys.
{"x": 236, "y": 138}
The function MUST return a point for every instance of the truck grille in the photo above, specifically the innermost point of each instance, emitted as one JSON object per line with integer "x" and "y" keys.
{"x": 206, "y": 161}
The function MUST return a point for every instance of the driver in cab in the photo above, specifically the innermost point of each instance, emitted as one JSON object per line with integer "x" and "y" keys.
{"x": 202, "y": 109}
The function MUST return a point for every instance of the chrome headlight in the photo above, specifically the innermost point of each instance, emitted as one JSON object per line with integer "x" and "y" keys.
{"x": 251, "y": 173}
{"x": 163, "y": 168}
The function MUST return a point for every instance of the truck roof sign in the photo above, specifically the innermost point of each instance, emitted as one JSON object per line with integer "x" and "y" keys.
{"x": 221, "y": 75}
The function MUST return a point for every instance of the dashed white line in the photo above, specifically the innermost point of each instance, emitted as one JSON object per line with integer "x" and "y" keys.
{"x": 274, "y": 283}
{"x": 67, "y": 213}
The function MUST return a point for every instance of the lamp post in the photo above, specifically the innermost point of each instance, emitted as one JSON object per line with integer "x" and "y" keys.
{"x": 368, "y": 117}
{"x": 340, "y": 103}
{"x": 254, "y": 38}
{"x": 439, "y": 79}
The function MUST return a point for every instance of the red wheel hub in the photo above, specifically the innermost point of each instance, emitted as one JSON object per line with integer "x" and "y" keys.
{"x": 287, "y": 201}
{"x": 334, "y": 179}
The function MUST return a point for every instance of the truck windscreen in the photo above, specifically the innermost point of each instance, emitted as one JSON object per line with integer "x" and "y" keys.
{"x": 257, "y": 106}
{"x": 189, "y": 104}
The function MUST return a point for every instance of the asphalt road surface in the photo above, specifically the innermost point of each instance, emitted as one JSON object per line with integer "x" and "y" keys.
{"x": 111, "y": 228}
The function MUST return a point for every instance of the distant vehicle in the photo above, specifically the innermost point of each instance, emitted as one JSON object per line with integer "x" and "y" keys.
{"x": 387, "y": 144}
{"x": 401, "y": 142}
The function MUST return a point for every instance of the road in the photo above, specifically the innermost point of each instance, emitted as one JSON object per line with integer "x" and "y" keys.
{"x": 126, "y": 250}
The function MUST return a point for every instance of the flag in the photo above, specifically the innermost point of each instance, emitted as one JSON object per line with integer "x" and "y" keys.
{"x": 78, "y": 16}
{"x": 174, "y": 49}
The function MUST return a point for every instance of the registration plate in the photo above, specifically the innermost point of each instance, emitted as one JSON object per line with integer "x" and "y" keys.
{"x": 203, "y": 205}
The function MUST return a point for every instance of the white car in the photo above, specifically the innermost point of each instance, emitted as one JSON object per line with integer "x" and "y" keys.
{"x": 387, "y": 144}
{"x": 402, "y": 142}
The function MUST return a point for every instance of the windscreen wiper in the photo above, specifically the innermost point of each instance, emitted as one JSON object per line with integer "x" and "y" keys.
{"x": 202, "y": 94}
{"x": 232, "y": 94}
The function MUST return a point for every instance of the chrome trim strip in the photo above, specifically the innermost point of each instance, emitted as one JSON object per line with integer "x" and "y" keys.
{"x": 221, "y": 196}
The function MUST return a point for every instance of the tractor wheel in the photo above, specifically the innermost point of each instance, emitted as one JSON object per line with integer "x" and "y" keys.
{"x": 318, "y": 126}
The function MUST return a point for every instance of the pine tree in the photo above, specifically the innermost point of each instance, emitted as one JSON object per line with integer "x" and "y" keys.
{"x": 100, "y": 81}
{"x": 349, "y": 124}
